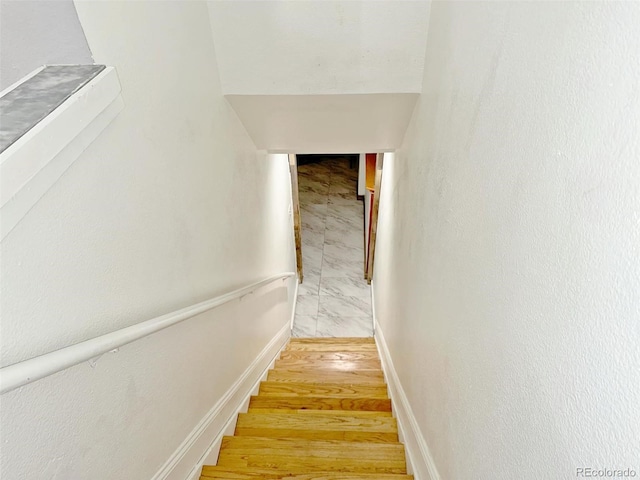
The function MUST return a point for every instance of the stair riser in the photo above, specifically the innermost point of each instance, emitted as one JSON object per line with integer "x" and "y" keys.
{"x": 332, "y": 348}
{"x": 240, "y": 473}
{"x": 265, "y": 446}
{"x": 334, "y": 365}
{"x": 323, "y": 390}
{"x": 309, "y": 464}
{"x": 377, "y": 437}
{"x": 346, "y": 356}
{"x": 319, "y": 403}
{"x": 368, "y": 378}
{"x": 310, "y": 413}
{"x": 336, "y": 341}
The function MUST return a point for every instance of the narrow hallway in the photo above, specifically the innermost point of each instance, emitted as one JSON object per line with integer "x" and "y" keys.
{"x": 334, "y": 299}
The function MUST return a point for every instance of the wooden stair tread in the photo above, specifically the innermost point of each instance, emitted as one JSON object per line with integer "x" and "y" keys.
{"x": 245, "y": 473}
{"x": 303, "y": 464}
{"x": 335, "y": 355}
{"x": 318, "y": 427}
{"x": 339, "y": 390}
{"x": 312, "y": 447}
{"x": 330, "y": 376}
{"x": 321, "y": 403}
{"x": 332, "y": 347}
{"x": 322, "y": 414}
{"x": 343, "y": 435}
{"x": 333, "y": 340}
{"x": 322, "y": 421}
{"x": 303, "y": 456}
{"x": 338, "y": 413}
{"x": 335, "y": 365}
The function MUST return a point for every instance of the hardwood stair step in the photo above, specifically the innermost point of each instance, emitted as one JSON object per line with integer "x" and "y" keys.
{"x": 334, "y": 340}
{"x": 315, "y": 389}
{"x": 245, "y": 473}
{"x": 319, "y": 376}
{"x": 293, "y": 463}
{"x": 318, "y": 427}
{"x": 304, "y": 456}
{"x": 338, "y": 413}
{"x": 314, "y": 448}
{"x": 320, "y": 403}
{"x": 332, "y": 347}
{"x": 337, "y": 365}
{"x": 322, "y": 414}
{"x": 311, "y": 355}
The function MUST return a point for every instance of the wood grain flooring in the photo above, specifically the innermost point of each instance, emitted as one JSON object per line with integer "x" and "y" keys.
{"x": 322, "y": 414}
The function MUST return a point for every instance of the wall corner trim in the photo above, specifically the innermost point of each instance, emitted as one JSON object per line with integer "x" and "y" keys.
{"x": 207, "y": 434}
{"x": 419, "y": 457}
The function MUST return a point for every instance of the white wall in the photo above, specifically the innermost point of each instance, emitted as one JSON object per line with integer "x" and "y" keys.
{"x": 35, "y": 33}
{"x": 287, "y": 47}
{"x": 171, "y": 205}
{"x": 507, "y": 276}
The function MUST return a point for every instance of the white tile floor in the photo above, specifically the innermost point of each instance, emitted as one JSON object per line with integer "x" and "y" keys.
{"x": 334, "y": 300}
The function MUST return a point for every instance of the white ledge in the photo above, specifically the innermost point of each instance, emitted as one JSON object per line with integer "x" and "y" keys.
{"x": 34, "y": 162}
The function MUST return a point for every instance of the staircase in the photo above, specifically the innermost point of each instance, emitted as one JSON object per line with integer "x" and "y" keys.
{"x": 322, "y": 414}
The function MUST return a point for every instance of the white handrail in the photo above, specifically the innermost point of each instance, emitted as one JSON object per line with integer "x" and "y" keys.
{"x": 27, "y": 371}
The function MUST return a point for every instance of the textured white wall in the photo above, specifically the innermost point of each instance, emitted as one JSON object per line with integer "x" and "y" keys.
{"x": 171, "y": 205}
{"x": 35, "y": 33}
{"x": 315, "y": 47}
{"x": 507, "y": 277}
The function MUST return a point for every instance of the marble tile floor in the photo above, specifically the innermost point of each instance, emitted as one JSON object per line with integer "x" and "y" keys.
{"x": 334, "y": 300}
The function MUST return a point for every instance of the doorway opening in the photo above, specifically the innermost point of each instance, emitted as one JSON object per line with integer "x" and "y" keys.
{"x": 334, "y": 297}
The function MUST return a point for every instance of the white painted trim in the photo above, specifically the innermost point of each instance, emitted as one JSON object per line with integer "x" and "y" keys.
{"x": 197, "y": 447}
{"x": 295, "y": 302}
{"x": 34, "y": 162}
{"x": 362, "y": 173}
{"x": 36, "y": 368}
{"x": 373, "y": 309}
{"x": 367, "y": 218}
{"x": 419, "y": 458}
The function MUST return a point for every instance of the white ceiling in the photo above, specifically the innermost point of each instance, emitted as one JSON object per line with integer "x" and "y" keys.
{"x": 321, "y": 75}
{"x": 325, "y": 123}
{"x": 311, "y": 47}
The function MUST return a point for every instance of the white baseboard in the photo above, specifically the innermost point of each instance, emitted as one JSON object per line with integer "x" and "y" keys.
{"x": 419, "y": 459}
{"x": 220, "y": 420}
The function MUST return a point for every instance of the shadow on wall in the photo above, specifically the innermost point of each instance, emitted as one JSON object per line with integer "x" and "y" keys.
{"x": 315, "y": 158}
